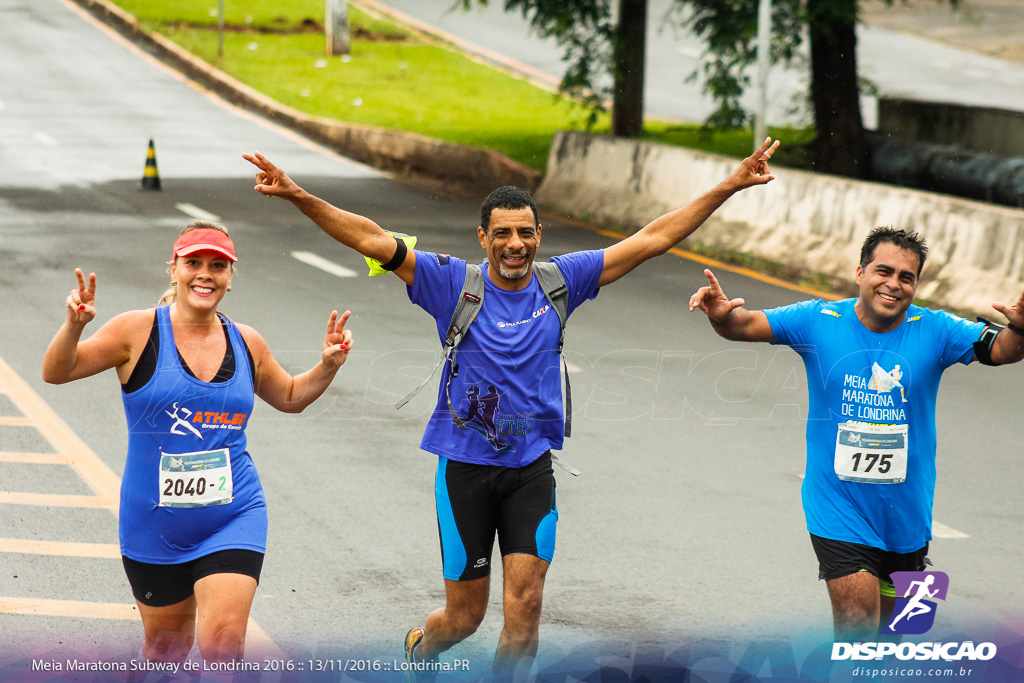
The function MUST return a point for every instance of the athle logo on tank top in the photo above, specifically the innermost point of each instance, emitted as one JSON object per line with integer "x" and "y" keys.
{"x": 485, "y": 418}
{"x": 185, "y": 422}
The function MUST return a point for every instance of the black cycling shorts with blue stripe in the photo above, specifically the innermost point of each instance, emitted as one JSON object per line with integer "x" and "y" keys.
{"x": 475, "y": 502}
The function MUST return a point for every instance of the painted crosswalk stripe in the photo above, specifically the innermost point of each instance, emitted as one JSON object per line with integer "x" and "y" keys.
{"x": 196, "y": 212}
{"x": 309, "y": 258}
{"x": 62, "y": 548}
{"x": 70, "y": 450}
{"x": 256, "y": 640}
{"x": 35, "y": 458}
{"x": 86, "y": 464}
{"x": 57, "y": 500}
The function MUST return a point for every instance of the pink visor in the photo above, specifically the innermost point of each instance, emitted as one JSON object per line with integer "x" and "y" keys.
{"x": 204, "y": 239}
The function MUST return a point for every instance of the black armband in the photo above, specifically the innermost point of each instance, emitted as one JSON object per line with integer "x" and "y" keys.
{"x": 1013, "y": 328}
{"x": 983, "y": 347}
{"x": 399, "y": 258}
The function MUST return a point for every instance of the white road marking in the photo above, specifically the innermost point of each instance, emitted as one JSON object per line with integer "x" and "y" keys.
{"x": 323, "y": 264}
{"x": 44, "y": 139}
{"x": 196, "y": 212}
{"x": 940, "y": 530}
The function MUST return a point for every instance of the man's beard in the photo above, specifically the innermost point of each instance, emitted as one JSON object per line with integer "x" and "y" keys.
{"x": 517, "y": 274}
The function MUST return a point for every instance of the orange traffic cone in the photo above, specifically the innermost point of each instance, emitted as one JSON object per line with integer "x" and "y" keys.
{"x": 150, "y": 176}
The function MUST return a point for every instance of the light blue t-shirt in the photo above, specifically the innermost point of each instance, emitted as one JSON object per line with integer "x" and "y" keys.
{"x": 856, "y": 375}
{"x": 508, "y": 389}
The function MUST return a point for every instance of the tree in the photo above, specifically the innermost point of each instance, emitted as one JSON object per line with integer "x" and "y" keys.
{"x": 729, "y": 30}
{"x": 839, "y": 146}
{"x": 596, "y": 47}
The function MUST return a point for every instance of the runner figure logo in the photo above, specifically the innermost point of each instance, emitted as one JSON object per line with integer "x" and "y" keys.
{"x": 179, "y": 422}
{"x": 884, "y": 382}
{"x": 914, "y": 613}
{"x": 481, "y": 418}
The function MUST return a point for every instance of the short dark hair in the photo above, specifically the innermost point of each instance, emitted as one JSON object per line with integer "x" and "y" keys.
{"x": 901, "y": 239}
{"x": 506, "y": 197}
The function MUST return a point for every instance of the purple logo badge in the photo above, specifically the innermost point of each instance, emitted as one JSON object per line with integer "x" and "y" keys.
{"x": 916, "y": 592}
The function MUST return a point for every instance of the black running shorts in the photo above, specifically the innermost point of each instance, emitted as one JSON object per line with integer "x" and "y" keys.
{"x": 476, "y": 501}
{"x": 160, "y": 585}
{"x": 841, "y": 558}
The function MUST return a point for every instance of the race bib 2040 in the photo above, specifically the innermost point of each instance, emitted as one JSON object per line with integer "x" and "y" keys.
{"x": 190, "y": 480}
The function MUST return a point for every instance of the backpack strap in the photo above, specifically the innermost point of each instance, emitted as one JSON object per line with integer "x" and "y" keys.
{"x": 471, "y": 299}
{"x": 550, "y": 279}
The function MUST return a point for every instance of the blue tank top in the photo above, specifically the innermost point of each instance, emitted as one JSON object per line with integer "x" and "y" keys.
{"x": 178, "y": 500}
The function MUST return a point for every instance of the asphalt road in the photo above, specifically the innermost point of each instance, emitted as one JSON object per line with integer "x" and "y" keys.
{"x": 899, "y": 65}
{"x": 685, "y": 530}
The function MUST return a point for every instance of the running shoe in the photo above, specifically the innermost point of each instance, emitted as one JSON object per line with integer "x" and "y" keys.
{"x": 413, "y": 638}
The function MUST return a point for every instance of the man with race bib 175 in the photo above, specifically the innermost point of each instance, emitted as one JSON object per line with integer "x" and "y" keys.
{"x": 873, "y": 368}
{"x": 497, "y": 479}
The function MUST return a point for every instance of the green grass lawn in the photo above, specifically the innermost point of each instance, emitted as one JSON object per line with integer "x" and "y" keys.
{"x": 394, "y": 79}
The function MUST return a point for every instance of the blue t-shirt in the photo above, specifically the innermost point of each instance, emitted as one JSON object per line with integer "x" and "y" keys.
{"x": 508, "y": 391}
{"x": 859, "y": 376}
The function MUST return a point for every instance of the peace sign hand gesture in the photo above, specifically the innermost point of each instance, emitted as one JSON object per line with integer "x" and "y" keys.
{"x": 712, "y": 300}
{"x": 337, "y": 341}
{"x": 81, "y": 301}
{"x": 754, "y": 169}
{"x": 272, "y": 181}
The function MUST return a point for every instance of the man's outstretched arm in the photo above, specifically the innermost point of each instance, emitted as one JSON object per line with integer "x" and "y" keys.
{"x": 665, "y": 232}
{"x": 1009, "y": 345}
{"x": 352, "y": 230}
{"x": 728, "y": 317}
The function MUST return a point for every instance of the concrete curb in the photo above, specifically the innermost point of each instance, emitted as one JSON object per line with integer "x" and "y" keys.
{"x": 451, "y": 168}
{"x": 811, "y": 222}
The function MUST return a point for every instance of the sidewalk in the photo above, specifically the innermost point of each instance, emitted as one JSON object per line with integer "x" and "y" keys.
{"x": 990, "y": 27}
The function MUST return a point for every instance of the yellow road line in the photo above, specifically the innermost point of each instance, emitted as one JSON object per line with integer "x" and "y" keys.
{"x": 35, "y": 458}
{"x": 93, "y": 471}
{"x": 27, "y": 547}
{"x": 713, "y": 263}
{"x": 59, "y": 500}
{"x": 8, "y": 421}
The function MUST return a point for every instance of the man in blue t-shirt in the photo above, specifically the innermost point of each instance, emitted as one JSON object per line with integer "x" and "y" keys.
{"x": 873, "y": 368}
{"x": 494, "y": 443}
